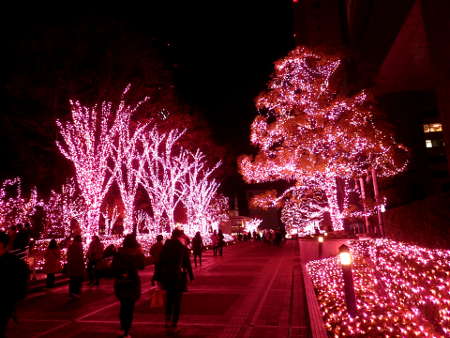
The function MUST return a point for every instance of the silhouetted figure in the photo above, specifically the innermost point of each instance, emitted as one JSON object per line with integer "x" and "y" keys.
{"x": 185, "y": 239}
{"x": 155, "y": 253}
{"x": 255, "y": 238}
{"x": 172, "y": 272}
{"x": 127, "y": 286}
{"x": 21, "y": 240}
{"x": 13, "y": 283}
{"x": 197, "y": 248}
{"x": 215, "y": 242}
{"x": 221, "y": 242}
{"x": 12, "y": 233}
{"x": 52, "y": 262}
{"x": 94, "y": 257}
{"x": 75, "y": 267}
{"x": 278, "y": 238}
{"x": 110, "y": 251}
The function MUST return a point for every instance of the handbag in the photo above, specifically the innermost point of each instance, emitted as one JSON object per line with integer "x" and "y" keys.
{"x": 156, "y": 298}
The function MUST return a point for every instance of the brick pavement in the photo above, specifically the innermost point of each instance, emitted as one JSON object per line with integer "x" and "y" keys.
{"x": 254, "y": 290}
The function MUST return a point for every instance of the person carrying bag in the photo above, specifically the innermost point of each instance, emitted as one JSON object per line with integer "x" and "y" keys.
{"x": 156, "y": 297}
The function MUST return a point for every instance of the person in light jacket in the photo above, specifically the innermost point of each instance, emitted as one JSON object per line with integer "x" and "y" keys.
{"x": 52, "y": 262}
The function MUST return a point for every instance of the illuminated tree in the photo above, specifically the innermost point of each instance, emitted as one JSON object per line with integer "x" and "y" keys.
{"x": 310, "y": 135}
{"x": 15, "y": 208}
{"x": 61, "y": 207}
{"x": 164, "y": 167}
{"x": 88, "y": 141}
{"x": 199, "y": 190}
{"x": 304, "y": 211}
{"x": 252, "y": 225}
{"x": 128, "y": 162}
{"x": 111, "y": 216}
{"x": 218, "y": 211}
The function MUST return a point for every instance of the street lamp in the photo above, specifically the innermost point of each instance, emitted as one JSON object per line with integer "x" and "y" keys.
{"x": 320, "y": 240}
{"x": 346, "y": 260}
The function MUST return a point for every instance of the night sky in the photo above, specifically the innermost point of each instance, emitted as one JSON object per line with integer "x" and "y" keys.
{"x": 219, "y": 57}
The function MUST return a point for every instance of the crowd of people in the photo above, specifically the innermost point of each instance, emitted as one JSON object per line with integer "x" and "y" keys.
{"x": 269, "y": 236}
{"x": 171, "y": 261}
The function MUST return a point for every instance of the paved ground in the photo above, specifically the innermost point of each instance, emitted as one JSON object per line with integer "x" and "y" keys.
{"x": 255, "y": 290}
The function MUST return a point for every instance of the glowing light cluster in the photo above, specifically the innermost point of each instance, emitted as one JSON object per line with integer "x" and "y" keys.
{"x": 311, "y": 135}
{"x": 88, "y": 141}
{"x": 200, "y": 189}
{"x": 252, "y": 225}
{"x": 106, "y": 147}
{"x": 304, "y": 211}
{"x": 61, "y": 208}
{"x": 15, "y": 207}
{"x": 401, "y": 290}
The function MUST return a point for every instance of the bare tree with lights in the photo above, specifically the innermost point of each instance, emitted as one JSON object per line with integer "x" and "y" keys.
{"x": 199, "y": 190}
{"x": 88, "y": 140}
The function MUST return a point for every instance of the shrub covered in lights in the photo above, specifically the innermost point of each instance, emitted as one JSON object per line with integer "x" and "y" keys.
{"x": 401, "y": 291}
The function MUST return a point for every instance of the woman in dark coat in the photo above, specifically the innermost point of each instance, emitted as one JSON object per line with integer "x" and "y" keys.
{"x": 127, "y": 285}
{"x": 75, "y": 267}
{"x": 94, "y": 256}
{"x": 221, "y": 242}
{"x": 197, "y": 248}
{"x": 171, "y": 272}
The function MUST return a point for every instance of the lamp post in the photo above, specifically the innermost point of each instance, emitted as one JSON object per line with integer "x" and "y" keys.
{"x": 346, "y": 260}
{"x": 320, "y": 240}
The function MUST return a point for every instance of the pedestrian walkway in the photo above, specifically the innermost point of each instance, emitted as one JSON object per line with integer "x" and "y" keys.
{"x": 254, "y": 290}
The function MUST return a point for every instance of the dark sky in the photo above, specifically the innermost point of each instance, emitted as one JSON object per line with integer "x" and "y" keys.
{"x": 222, "y": 53}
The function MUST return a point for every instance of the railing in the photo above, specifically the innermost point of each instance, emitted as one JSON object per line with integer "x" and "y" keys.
{"x": 315, "y": 317}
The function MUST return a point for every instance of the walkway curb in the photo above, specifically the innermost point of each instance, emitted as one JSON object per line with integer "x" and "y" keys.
{"x": 315, "y": 316}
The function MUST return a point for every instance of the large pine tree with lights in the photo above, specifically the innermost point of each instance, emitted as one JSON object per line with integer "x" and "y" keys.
{"x": 310, "y": 134}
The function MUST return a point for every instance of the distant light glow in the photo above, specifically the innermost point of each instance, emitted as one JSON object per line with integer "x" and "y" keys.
{"x": 345, "y": 258}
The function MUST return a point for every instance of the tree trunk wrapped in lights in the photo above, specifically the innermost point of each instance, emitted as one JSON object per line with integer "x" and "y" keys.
{"x": 304, "y": 211}
{"x": 311, "y": 135}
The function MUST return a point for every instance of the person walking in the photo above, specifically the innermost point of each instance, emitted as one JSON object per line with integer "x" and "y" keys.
{"x": 127, "y": 285}
{"x": 215, "y": 242}
{"x": 172, "y": 272}
{"x": 155, "y": 253}
{"x": 94, "y": 256}
{"x": 220, "y": 242}
{"x": 52, "y": 262}
{"x": 197, "y": 248}
{"x": 75, "y": 267}
{"x": 13, "y": 283}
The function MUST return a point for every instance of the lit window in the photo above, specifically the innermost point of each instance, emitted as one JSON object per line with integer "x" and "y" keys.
{"x": 432, "y": 127}
{"x": 428, "y": 144}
